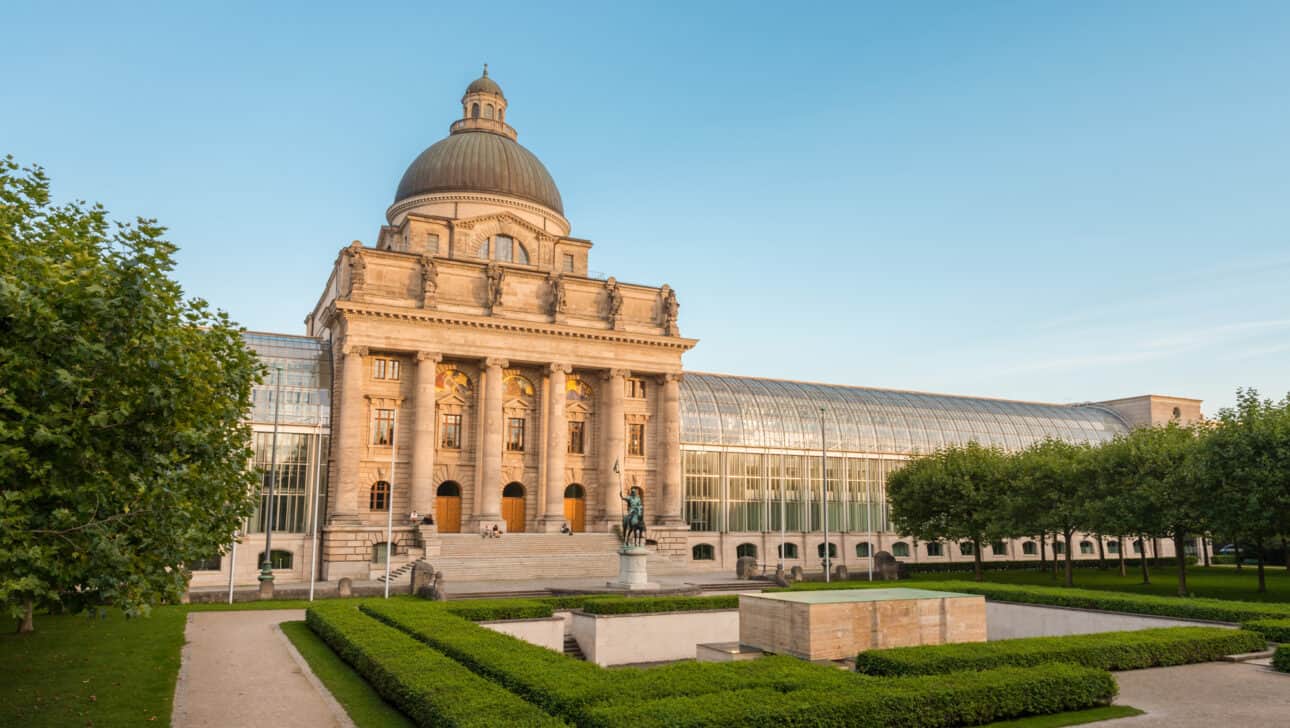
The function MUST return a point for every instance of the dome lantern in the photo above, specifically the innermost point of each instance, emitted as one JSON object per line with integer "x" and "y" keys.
{"x": 483, "y": 107}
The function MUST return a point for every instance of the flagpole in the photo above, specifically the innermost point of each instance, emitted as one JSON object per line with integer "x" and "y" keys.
{"x": 824, "y": 488}
{"x": 389, "y": 505}
{"x": 313, "y": 561}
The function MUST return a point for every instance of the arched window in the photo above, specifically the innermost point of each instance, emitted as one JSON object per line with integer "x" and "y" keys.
{"x": 506, "y": 249}
{"x": 378, "y": 499}
{"x": 703, "y": 552}
{"x": 935, "y": 549}
{"x": 746, "y": 549}
{"x": 862, "y": 550}
{"x": 513, "y": 490}
{"x": 1113, "y": 547}
{"x": 999, "y": 548}
{"x": 1059, "y": 548}
{"x": 474, "y": 111}
{"x": 1137, "y": 546}
{"x": 966, "y": 548}
{"x": 1086, "y": 547}
{"x": 488, "y": 111}
{"x": 575, "y": 491}
{"x": 788, "y": 551}
{"x": 281, "y": 559}
{"x": 449, "y": 489}
{"x": 1029, "y": 548}
{"x": 379, "y": 552}
{"x": 900, "y": 548}
{"x": 1177, "y": 413}
{"x": 833, "y": 550}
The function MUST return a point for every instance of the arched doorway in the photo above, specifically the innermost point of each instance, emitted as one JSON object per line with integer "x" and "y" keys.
{"x": 447, "y": 507}
{"x": 575, "y": 507}
{"x": 513, "y": 507}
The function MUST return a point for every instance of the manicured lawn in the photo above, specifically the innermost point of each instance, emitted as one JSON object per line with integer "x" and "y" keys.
{"x": 76, "y": 671}
{"x": 364, "y": 706}
{"x": 1075, "y": 717}
{"x": 1213, "y": 582}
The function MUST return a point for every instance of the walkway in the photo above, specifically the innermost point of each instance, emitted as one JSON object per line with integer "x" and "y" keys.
{"x": 1205, "y": 695}
{"x": 239, "y": 670}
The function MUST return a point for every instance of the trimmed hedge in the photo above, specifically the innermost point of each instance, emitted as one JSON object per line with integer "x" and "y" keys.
{"x": 429, "y": 687}
{"x": 1217, "y": 610}
{"x": 1104, "y": 650}
{"x": 484, "y": 610}
{"x": 967, "y": 567}
{"x": 1281, "y": 658}
{"x": 1275, "y": 630}
{"x": 971, "y": 698}
{"x": 643, "y": 605}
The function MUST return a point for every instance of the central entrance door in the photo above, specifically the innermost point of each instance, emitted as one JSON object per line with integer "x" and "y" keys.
{"x": 447, "y": 507}
{"x": 513, "y": 507}
{"x": 575, "y": 507}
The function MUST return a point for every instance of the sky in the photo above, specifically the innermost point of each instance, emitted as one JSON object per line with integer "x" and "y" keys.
{"x": 1045, "y": 201}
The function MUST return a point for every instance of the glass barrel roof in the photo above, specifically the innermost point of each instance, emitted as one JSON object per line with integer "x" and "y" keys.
{"x": 306, "y": 379}
{"x": 724, "y": 410}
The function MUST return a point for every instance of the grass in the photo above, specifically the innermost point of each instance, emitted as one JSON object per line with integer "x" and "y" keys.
{"x": 364, "y": 706}
{"x": 1212, "y": 582}
{"x": 1075, "y": 717}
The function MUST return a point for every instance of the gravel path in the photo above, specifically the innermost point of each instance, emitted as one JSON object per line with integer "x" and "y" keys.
{"x": 239, "y": 669}
{"x": 1205, "y": 695}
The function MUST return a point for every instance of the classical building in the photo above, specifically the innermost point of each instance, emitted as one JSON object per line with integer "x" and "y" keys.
{"x": 467, "y": 368}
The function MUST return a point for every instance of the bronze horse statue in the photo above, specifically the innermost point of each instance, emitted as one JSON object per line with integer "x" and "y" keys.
{"x": 633, "y": 519}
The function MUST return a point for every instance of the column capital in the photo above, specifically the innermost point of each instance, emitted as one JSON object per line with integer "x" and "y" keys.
{"x": 670, "y": 377}
{"x": 430, "y": 356}
{"x": 359, "y": 349}
{"x": 558, "y": 368}
{"x": 615, "y": 373}
{"x": 494, "y": 361}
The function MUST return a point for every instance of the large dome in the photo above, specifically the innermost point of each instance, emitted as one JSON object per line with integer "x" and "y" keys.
{"x": 480, "y": 161}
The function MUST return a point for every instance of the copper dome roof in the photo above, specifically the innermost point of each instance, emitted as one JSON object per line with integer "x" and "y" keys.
{"x": 480, "y": 161}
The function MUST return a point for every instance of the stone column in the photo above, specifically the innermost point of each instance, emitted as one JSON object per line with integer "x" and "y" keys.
{"x": 423, "y": 444}
{"x": 669, "y": 451}
{"x": 350, "y": 436}
{"x": 488, "y": 486}
{"x": 557, "y": 435}
{"x": 611, "y": 449}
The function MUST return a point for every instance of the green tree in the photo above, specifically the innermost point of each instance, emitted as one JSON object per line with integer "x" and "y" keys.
{"x": 123, "y": 448}
{"x": 1245, "y": 459}
{"x": 1053, "y": 487}
{"x": 953, "y": 494}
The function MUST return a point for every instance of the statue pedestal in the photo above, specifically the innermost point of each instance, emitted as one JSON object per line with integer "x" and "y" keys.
{"x": 631, "y": 570}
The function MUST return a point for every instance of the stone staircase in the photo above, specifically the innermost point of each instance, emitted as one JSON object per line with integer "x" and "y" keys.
{"x": 468, "y": 557}
{"x": 397, "y": 573}
{"x": 572, "y": 649}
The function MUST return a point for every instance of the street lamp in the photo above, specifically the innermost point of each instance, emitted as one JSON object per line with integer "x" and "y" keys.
{"x": 266, "y": 567}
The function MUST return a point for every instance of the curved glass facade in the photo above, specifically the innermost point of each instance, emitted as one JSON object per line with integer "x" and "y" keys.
{"x": 730, "y": 411}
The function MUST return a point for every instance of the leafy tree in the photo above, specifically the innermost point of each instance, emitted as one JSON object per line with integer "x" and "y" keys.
{"x": 1246, "y": 460}
{"x": 1054, "y": 484}
{"x": 123, "y": 448}
{"x": 953, "y": 494}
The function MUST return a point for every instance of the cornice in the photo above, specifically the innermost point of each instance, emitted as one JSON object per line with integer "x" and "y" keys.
{"x": 411, "y": 203}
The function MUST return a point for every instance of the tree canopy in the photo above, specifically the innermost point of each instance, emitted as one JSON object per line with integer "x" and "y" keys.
{"x": 124, "y": 450}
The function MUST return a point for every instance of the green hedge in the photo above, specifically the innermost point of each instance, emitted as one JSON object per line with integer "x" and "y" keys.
{"x": 967, "y": 567}
{"x": 1281, "y": 658}
{"x": 1104, "y": 650}
{"x": 484, "y": 610}
{"x": 1275, "y": 630}
{"x": 642, "y": 605}
{"x": 429, "y": 687}
{"x": 922, "y": 702}
{"x": 1218, "y": 610}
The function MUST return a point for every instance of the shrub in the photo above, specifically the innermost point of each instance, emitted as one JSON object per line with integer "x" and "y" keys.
{"x": 968, "y": 567}
{"x": 1105, "y": 650}
{"x": 643, "y": 605}
{"x": 1281, "y": 658}
{"x": 484, "y": 610}
{"x": 1275, "y": 630}
{"x": 426, "y": 685}
{"x": 968, "y": 699}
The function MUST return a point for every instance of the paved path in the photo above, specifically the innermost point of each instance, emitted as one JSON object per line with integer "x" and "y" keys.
{"x": 240, "y": 670}
{"x": 1205, "y": 695}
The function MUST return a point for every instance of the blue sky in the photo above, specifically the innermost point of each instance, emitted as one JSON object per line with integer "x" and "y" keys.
{"x": 1034, "y": 200}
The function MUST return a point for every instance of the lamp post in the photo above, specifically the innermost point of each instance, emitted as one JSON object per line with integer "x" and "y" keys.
{"x": 266, "y": 567}
{"x": 317, "y": 481}
{"x": 824, "y": 483}
{"x": 389, "y": 504}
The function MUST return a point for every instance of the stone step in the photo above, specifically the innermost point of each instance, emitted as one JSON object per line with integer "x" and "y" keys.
{"x": 572, "y": 649}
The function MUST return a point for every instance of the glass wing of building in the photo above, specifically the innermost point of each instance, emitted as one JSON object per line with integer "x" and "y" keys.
{"x": 752, "y": 448}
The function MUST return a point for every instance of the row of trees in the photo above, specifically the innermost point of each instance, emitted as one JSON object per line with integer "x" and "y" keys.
{"x": 1228, "y": 476}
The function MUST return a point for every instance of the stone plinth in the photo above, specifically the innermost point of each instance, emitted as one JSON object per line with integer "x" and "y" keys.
{"x": 632, "y": 575}
{"x": 837, "y": 624}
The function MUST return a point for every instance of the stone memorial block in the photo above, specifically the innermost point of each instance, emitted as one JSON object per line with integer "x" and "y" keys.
{"x": 796, "y": 574}
{"x": 345, "y": 587}
{"x": 743, "y": 565}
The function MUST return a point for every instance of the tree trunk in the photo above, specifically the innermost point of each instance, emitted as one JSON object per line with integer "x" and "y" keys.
{"x": 1101, "y": 554}
{"x": 1043, "y": 552}
{"x": 1285, "y": 553}
{"x": 1181, "y": 554}
{"x": 1155, "y": 547}
{"x": 976, "y": 560}
{"x": 1237, "y": 547}
{"x": 1263, "y": 584}
{"x": 1119, "y": 546}
{"x": 1146, "y": 574}
{"x": 25, "y": 624}
{"x": 1070, "y": 564}
{"x": 1204, "y": 549}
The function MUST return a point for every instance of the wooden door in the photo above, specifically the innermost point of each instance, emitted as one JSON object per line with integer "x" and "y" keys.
{"x": 575, "y": 513}
{"x": 448, "y": 513}
{"x": 513, "y": 513}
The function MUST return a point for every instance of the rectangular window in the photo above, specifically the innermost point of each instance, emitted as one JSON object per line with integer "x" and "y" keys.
{"x": 382, "y": 427}
{"x": 450, "y": 432}
{"x": 576, "y": 430}
{"x": 515, "y": 434}
{"x": 385, "y": 369}
{"x": 934, "y": 549}
{"x": 432, "y": 244}
{"x": 568, "y": 263}
{"x": 636, "y": 438}
{"x": 636, "y": 389}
